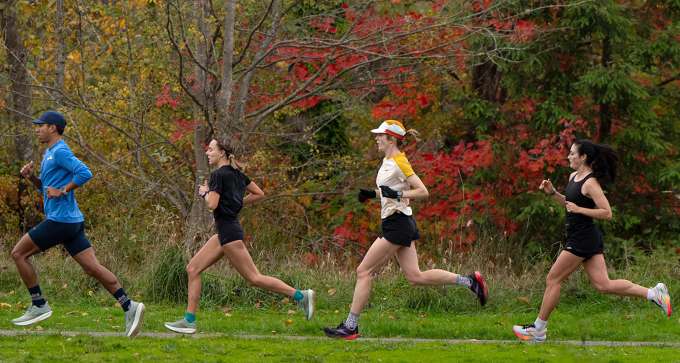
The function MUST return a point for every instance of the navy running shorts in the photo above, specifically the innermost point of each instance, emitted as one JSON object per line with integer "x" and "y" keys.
{"x": 400, "y": 229}
{"x": 229, "y": 231}
{"x": 49, "y": 233}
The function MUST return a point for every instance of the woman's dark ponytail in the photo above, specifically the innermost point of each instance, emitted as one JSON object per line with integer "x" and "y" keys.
{"x": 601, "y": 158}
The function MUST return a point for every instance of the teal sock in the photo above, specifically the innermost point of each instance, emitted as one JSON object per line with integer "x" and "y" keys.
{"x": 298, "y": 295}
{"x": 189, "y": 317}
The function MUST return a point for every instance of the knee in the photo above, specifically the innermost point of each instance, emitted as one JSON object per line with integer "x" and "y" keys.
{"x": 363, "y": 273}
{"x": 552, "y": 280}
{"x": 17, "y": 255}
{"x": 192, "y": 271}
{"x": 91, "y": 270}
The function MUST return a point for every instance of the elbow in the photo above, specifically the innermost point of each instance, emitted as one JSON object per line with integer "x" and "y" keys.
{"x": 426, "y": 193}
{"x": 82, "y": 178}
{"x": 211, "y": 206}
{"x": 257, "y": 196}
{"x": 608, "y": 216}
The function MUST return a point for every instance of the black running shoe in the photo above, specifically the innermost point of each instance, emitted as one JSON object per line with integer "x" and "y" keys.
{"x": 342, "y": 332}
{"x": 479, "y": 287}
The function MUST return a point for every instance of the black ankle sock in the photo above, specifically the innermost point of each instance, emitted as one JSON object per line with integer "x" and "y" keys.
{"x": 122, "y": 298}
{"x": 36, "y": 296}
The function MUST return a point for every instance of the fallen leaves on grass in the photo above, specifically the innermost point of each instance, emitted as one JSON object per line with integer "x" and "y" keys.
{"x": 524, "y": 299}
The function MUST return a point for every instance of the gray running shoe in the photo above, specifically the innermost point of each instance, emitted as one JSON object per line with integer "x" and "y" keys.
{"x": 307, "y": 303}
{"x": 133, "y": 319}
{"x": 33, "y": 315}
{"x": 662, "y": 298}
{"x": 182, "y": 326}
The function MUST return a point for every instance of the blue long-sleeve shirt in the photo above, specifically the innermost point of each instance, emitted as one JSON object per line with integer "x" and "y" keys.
{"x": 58, "y": 168}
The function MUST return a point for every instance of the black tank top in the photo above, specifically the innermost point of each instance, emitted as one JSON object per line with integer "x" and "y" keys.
{"x": 573, "y": 194}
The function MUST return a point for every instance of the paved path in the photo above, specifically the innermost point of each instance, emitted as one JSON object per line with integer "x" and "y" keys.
{"x": 66, "y": 333}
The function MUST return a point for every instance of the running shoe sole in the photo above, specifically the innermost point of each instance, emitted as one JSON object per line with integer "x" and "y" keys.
{"x": 181, "y": 330}
{"x": 137, "y": 322}
{"x": 667, "y": 299}
{"x": 527, "y": 338}
{"x": 347, "y": 337}
{"x": 38, "y": 318}
{"x": 310, "y": 298}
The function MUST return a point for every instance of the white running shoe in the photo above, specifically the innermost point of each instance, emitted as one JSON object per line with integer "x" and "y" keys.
{"x": 529, "y": 333}
{"x": 33, "y": 315}
{"x": 133, "y": 319}
{"x": 307, "y": 303}
{"x": 662, "y": 298}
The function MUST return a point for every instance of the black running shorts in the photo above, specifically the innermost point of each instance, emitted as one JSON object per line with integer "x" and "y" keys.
{"x": 229, "y": 231}
{"x": 584, "y": 241}
{"x": 400, "y": 229}
{"x": 49, "y": 233}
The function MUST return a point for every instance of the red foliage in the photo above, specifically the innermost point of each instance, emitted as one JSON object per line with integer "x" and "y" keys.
{"x": 523, "y": 31}
{"x": 642, "y": 186}
{"x": 308, "y": 102}
{"x": 352, "y": 230}
{"x": 458, "y": 196}
{"x": 404, "y": 102}
{"x": 165, "y": 98}
{"x": 324, "y": 24}
{"x": 182, "y": 128}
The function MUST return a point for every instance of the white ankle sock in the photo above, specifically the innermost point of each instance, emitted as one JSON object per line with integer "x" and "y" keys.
{"x": 540, "y": 324}
{"x": 650, "y": 294}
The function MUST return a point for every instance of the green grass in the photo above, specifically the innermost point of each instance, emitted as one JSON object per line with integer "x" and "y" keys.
{"x": 84, "y": 348}
{"x": 231, "y": 308}
{"x": 625, "y": 321}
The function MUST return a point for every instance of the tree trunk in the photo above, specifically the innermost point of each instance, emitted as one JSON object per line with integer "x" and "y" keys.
{"x": 486, "y": 79}
{"x": 20, "y": 98}
{"x": 224, "y": 98}
{"x": 61, "y": 52}
{"x": 198, "y": 224}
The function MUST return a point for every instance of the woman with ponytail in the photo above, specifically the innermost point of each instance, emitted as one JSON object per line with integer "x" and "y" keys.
{"x": 224, "y": 195}
{"x": 584, "y": 201}
{"x": 397, "y": 185}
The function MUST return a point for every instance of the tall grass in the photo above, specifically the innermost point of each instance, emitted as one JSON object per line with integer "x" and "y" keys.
{"x": 153, "y": 268}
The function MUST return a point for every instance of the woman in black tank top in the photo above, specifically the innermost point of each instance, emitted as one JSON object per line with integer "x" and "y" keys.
{"x": 583, "y": 238}
{"x": 225, "y": 196}
{"x": 584, "y": 201}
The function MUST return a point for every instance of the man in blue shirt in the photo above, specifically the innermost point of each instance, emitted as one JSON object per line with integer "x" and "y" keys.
{"x": 60, "y": 174}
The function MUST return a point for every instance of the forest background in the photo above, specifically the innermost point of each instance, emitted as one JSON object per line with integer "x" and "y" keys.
{"x": 497, "y": 89}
